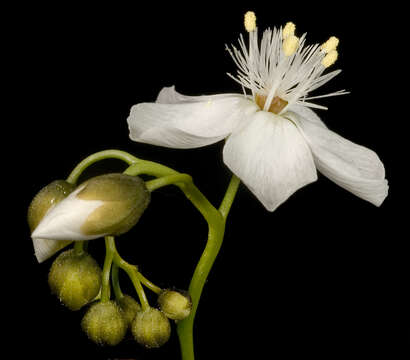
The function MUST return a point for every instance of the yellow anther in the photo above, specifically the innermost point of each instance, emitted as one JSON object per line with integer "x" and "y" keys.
{"x": 250, "y": 21}
{"x": 330, "y": 58}
{"x": 288, "y": 30}
{"x": 330, "y": 44}
{"x": 290, "y": 45}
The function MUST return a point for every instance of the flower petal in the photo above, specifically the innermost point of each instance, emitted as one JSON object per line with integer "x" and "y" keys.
{"x": 306, "y": 114}
{"x": 188, "y": 124}
{"x": 351, "y": 166}
{"x": 271, "y": 157}
{"x": 64, "y": 221}
{"x": 168, "y": 95}
{"x": 44, "y": 248}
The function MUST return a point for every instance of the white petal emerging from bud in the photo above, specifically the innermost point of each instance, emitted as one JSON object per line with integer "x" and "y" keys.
{"x": 105, "y": 205}
{"x": 65, "y": 220}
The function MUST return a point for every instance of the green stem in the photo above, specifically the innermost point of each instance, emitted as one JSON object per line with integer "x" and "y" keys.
{"x": 229, "y": 196}
{"x": 109, "y": 256}
{"x": 106, "y": 154}
{"x": 216, "y": 220}
{"x": 131, "y": 270}
{"x": 79, "y": 247}
{"x": 156, "y": 289}
{"x": 167, "y": 180}
{"x": 116, "y": 282}
{"x": 213, "y": 245}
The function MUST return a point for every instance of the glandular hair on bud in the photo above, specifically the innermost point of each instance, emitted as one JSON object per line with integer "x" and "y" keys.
{"x": 151, "y": 328}
{"x": 174, "y": 304}
{"x": 75, "y": 279}
{"x": 124, "y": 199}
{"x": 47, "y": 197}
{"x": 104, "y": 323}
{"x": 129, "y": 308}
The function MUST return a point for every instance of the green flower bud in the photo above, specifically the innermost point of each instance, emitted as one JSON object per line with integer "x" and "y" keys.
{"x": 75, "y": 279}
{"x": 104, "y": 323}
{"x": 129, "y": 308}
{"x": 109, "y": 204}
{"x": 175, "y": 305}
{"x": 47, "y": 198}
{"x": 151, "y": 328}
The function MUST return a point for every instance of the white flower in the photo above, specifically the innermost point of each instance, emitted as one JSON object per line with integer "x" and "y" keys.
{"x": 274, "y": 141}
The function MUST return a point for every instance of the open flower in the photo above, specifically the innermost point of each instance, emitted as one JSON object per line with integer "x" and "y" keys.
{"x": 274, "y": 141}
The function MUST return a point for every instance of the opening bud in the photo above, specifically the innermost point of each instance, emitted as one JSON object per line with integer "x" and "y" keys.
{"x": 151, "y": 328}
{"x": 104, "y": 323}
{"x": 46, "y": 199}
{"x": 75, "y": 279}
{"x": 129, "y": 308}
{"x": 109, "y": 204}
{"x": 174, "y": 304}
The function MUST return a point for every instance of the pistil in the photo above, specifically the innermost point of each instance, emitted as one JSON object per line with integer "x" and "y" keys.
{"x": 276, "y": 106}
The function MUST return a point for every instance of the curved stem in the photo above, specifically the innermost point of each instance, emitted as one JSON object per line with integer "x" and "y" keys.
{"x": 106, "y": 154}
{"x": 116, "y": 282}
{"x": 131, "y": 270}
{"x": 144, "y": 281}
{"x": 216, "y": 222}
{"x": 167, "y": 180}
{"x": 213, "y": 245}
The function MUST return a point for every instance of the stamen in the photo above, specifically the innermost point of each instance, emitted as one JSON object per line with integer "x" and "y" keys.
{"x": 288, "y": 30}
{"x": 250, "y": 21}
{"x": 330, "y": 44}
{"x": 330, "y": 58}
{"x": 290, "y": 45}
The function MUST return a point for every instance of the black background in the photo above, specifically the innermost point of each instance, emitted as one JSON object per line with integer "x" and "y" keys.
{"x": 326, "y": 275}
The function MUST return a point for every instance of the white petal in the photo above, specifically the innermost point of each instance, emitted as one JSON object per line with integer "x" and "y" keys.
{"x": 351, "y": 166}
{"x": 271, "y": 157}
{"x": 65, "y": 219}
{"x": 305, "y": 114}
{"x": 44, "y": 248}
{"x": 168, "y": 95}
{"x": 188, "y": 124}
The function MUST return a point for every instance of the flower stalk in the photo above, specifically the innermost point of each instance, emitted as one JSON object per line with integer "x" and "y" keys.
{"x": 216, "y": 219}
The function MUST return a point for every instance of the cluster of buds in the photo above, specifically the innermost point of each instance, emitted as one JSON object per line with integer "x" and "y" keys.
{"x": 104, "y": 205}
{"x": 106, "y": 323}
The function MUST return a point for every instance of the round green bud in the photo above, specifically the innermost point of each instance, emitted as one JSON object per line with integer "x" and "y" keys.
{"x": 124, "y": 199}
{"x": 174, "y": 304}
{"x": 129, "y": 308}
{"x": 46, "y": 198}
{"x": 75, "y": 279}
{"x": 104, "y": 323}
{"x": 151, "y": 328}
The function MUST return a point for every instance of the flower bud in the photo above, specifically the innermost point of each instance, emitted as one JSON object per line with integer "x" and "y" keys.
{"x": 129, "y": 308}
{"x": 151, "y": 328}
{"x": 104, "y": 323}
{"x": 175, "y": 305}
{"x": 47, "y": 198}
{"x": 109, "y": 204}
{"x": 75, "y": 279}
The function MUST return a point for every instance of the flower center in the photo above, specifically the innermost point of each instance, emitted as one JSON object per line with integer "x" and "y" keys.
{"x": 276, "y": 106}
